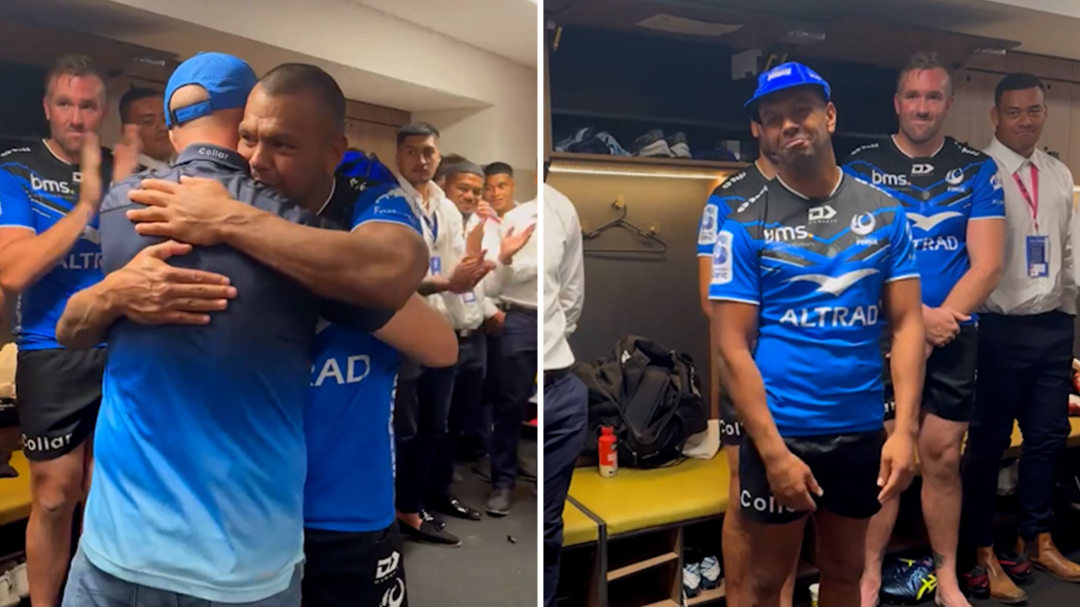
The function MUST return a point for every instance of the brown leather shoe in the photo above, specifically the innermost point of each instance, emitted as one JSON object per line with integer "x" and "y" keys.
{"x": 1002, "y": 588}
{"x": 1045, "y": 555}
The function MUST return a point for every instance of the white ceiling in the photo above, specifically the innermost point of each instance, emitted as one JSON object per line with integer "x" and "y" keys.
{"x": 1051, "y": 30}
{"x": 507, "y": 28}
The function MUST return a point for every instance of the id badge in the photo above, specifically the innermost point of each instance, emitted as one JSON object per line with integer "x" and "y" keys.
{"x": 436, "y": 265}
{"x": 469, "y": 297}
{"x": 1038, "y": 264}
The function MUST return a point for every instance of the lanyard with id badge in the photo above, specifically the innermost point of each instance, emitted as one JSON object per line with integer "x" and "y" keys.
{"x": 432, "y": 223}
{"x": 1037, "y": 247}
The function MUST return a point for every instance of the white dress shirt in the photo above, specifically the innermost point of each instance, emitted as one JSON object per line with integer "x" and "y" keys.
{"x": 564, "y": 278}
{"x": 516, "y": 284}
{"x": 490, "y": 305}
{"x": 444, "y": 233}
{"x": 1018, "y": 293}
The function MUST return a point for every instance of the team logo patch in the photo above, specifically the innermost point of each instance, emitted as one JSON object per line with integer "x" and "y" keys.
{"x": 722, "y": 271}
{"x": 995, "y": 182}
{"x": 863, "y": 223}
{"x": 708, "y": 225}
{"x": 955, "y": 177}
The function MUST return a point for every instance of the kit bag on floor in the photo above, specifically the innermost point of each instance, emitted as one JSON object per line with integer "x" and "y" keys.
{"x": 650, "y": 395}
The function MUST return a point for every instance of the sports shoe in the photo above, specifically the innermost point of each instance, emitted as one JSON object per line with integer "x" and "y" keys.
{"x": 691, "y": 579}
{"x": 651, "y": 144}
{"x": 710, "y": 573}
{"x": 612, "y": 144}
{"x": 578, "y": 136}
{"x": 678, "y": 145}
{"x": 8, "y": 596}
{"x": 907, "y": 582}
{"x": 498, "y": 503}
{"x": 975, "y": 582}
{"x": 1017, "y": 566}
{"x": 19, "y": 580}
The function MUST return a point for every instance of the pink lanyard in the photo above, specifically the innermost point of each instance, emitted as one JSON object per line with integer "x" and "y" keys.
{"x": 1032, "y": 198}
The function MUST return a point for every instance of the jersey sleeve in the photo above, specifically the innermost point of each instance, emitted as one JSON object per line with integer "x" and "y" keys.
{"x": 390, "y": 206}
{"x": 712, "y": 217}
{"x": 365, "y": 320}
{"x": 902, "y": 262}
{"x": 987, "y": 196}
{"x": 15, "y": 211}
{"x": 736, "y": 268}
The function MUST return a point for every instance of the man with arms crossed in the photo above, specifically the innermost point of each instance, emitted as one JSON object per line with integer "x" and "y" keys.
{"x": 728, "y": 197}
{"x": 1025, "y": 348}
{"x": 953, "y": 199}
{"x": 249, "y": 473}
{"x": 799, "y": 275}
{"x": 49, "y": 249}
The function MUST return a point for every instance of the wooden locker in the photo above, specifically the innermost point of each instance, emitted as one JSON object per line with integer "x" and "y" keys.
{"x": 957, "y": 123}
{"x": 381, "y": 139}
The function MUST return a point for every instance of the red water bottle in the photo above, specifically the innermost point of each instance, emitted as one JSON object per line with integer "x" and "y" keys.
{"x": 609, "y": 458}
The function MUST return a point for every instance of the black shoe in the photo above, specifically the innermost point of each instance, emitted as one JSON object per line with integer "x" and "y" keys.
{"x": 452, "y": 506}
{"x": 498, "y": 503}
{"x": 428, "y": 533}
{"x": 483, "y": 469}
{"x": 6, "y": 471}
{"x": 1016, "y": 566}
{"x": 428, "y": 516}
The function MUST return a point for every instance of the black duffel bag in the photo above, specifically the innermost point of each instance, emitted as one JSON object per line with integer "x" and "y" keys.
{"x": 650, "y": 395}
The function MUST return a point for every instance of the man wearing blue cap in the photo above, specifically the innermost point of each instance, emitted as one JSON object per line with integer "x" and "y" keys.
{"x": 799, "y": 274}
{"x": 953, "y": 197}
{"x": 217, "y": 515}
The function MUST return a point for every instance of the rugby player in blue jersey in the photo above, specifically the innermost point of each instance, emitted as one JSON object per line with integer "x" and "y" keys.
{"x": 955, "y": 204}
{"x": 49, "y": 249}
{"x": 802, "y": 275}
{"x": 727, "y": 197}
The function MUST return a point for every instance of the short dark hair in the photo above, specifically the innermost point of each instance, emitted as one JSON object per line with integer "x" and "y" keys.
{"x": 289, "y": 78}
{"x": 75, "y": 66}
{"x": 1019, "y": 81}
{"x": 447, "y": 163}
{"x": 498, "y": 168}
{"x": 416, "y": 129}
{"x": 924, "y": 60}
{"x": 463, "y": 167}
{"x": 133, "y": 95}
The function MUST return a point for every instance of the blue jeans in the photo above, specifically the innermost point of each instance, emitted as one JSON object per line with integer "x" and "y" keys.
{"x": 88, "y": 586}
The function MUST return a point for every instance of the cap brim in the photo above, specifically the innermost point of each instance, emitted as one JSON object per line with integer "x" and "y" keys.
{"x": 749, "y": 105}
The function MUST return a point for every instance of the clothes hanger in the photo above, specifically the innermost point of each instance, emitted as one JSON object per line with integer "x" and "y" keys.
{"x": 649, "y": 236}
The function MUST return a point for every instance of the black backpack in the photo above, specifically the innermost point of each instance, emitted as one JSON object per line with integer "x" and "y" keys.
{"x": 650, "y": 395}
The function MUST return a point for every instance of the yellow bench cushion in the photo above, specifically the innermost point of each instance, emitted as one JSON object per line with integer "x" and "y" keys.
{"x": 578, "y": 528}
{"x": 642, "y": 499}
{"x": 15, "y": 492}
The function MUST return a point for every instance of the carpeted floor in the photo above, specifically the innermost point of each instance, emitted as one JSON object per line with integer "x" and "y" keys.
{"x": 488, "y": 570}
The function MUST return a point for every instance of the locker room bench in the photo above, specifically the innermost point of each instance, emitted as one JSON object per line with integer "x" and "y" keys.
{"x": 15, "y": 492}
{"x": 643, "y": 515}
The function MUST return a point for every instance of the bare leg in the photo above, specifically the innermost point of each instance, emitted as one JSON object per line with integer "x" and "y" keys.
{"x": 939, "y": 458}
{"x": 56, "y": 487}
{"x": 877, "y": 540}
{"x": 840, "y": 555}
{"x": 774, "y": 549}
{"x": 734, "y": 541}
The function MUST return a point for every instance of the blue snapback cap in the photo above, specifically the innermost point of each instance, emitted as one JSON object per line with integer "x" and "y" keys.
{"x": 786, "y": 76}
{"x": 227, "y": 80}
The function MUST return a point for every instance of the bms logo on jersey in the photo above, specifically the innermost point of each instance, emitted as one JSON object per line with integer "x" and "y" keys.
{"x": 722, "y": 270}
{"x": 786, "y": 233}
{"x": 50, "y": 186}
{"x": 886, "y": 179}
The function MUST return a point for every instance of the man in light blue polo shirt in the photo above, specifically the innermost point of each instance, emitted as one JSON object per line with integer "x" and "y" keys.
{"x": 200, "y": 455}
